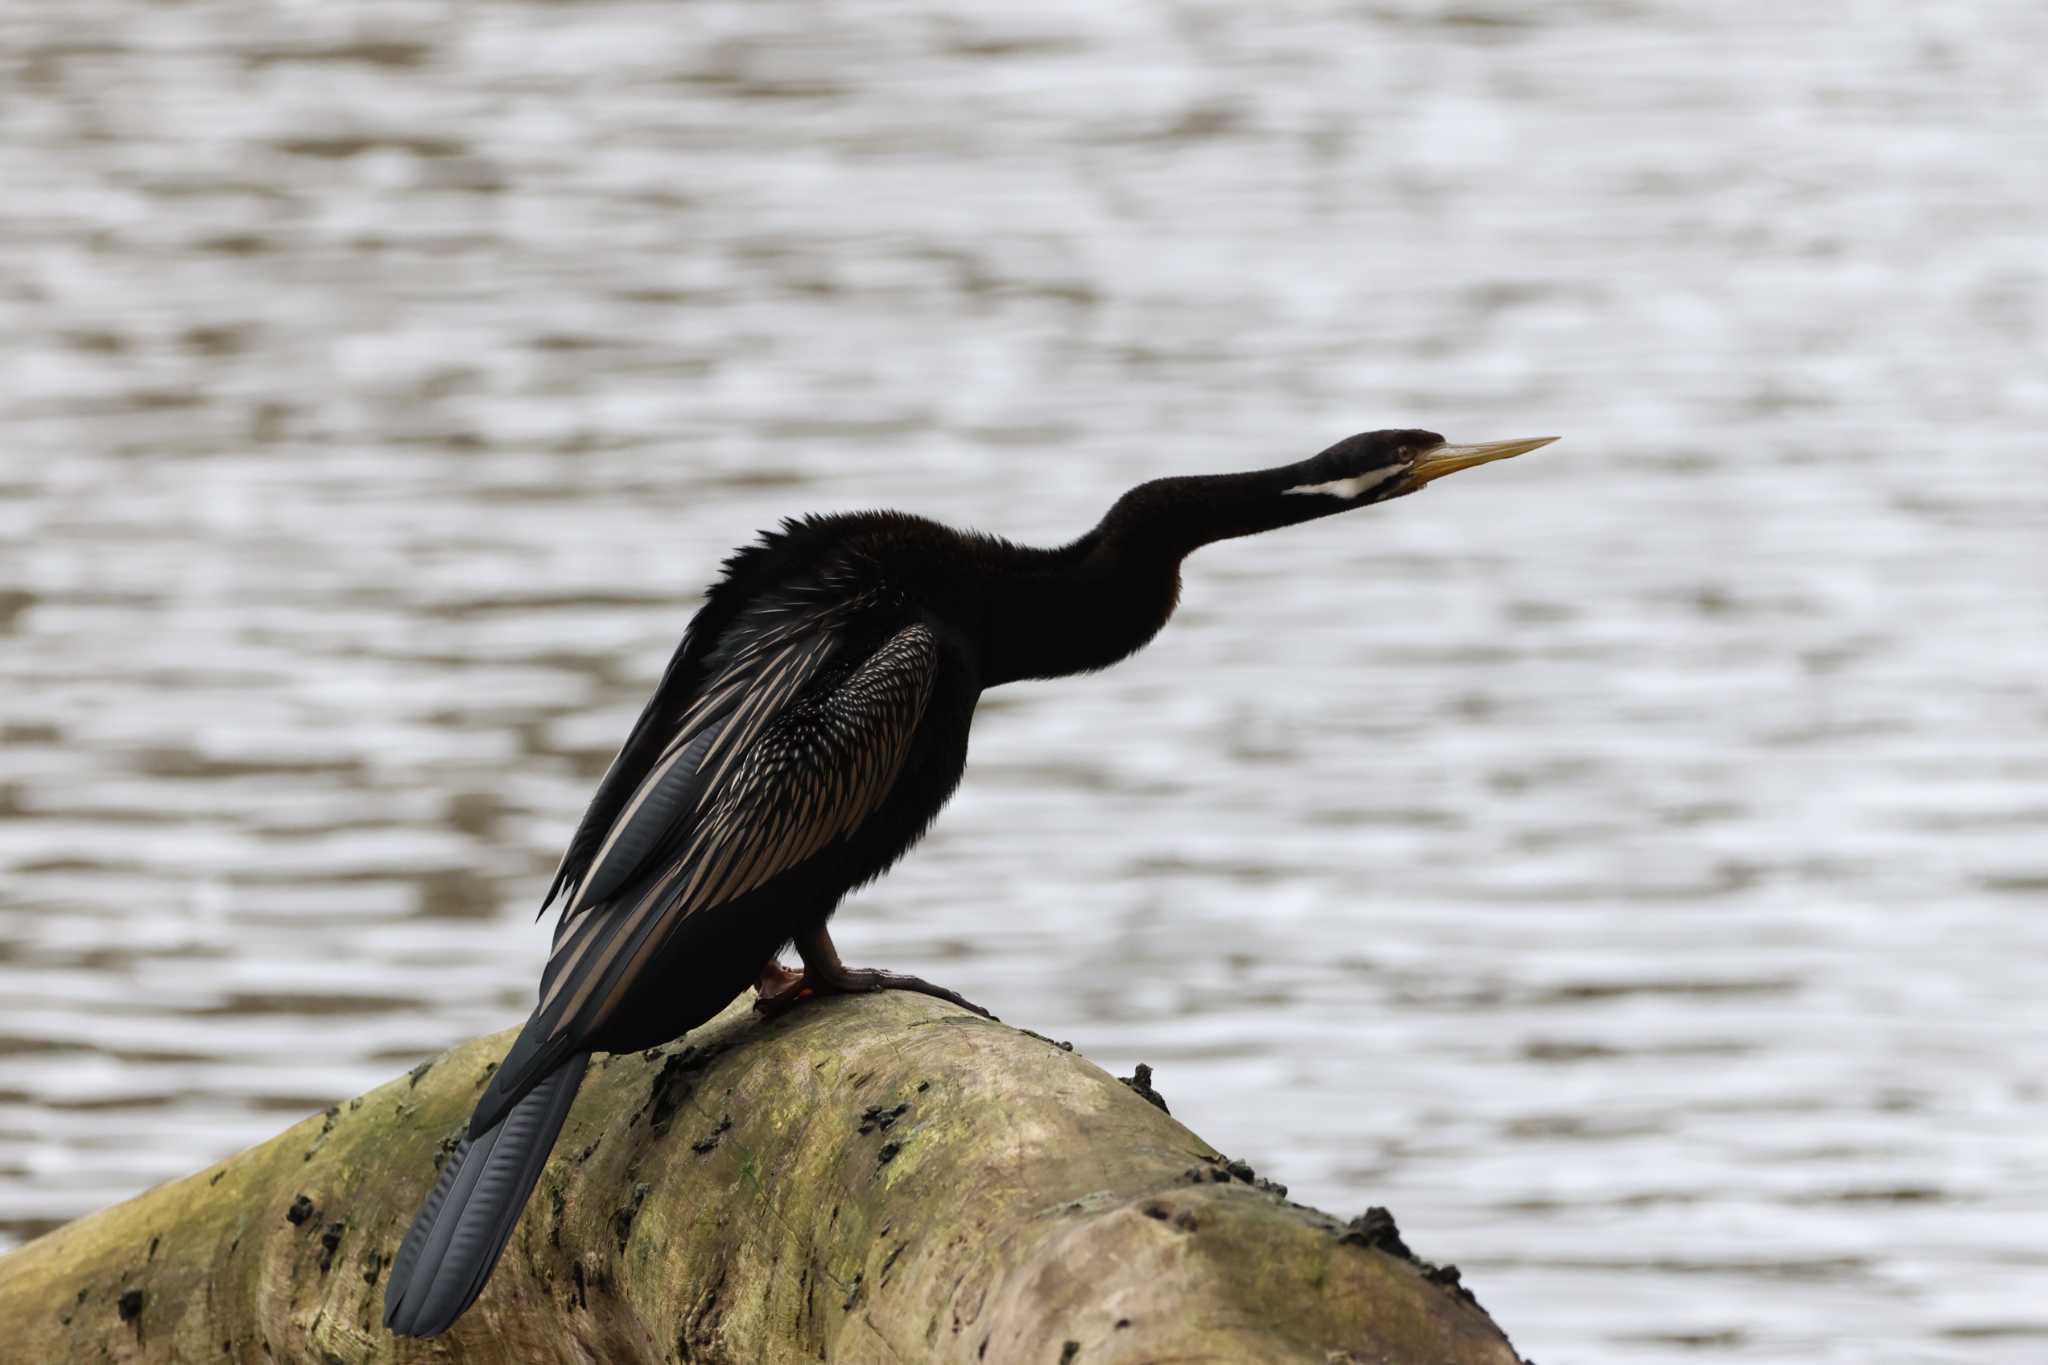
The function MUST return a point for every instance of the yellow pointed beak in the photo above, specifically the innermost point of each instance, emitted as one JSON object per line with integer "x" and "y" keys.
{"x": 1449, "y": 459}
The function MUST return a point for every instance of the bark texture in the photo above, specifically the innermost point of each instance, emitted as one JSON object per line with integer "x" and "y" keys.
{"x": 876, "y": 1179}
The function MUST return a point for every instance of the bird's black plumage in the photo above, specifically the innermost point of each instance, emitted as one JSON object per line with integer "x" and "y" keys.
{"x": 804, "y": 735}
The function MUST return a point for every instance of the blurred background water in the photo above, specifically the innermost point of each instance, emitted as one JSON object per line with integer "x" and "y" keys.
{"x": 1627, "y": 863}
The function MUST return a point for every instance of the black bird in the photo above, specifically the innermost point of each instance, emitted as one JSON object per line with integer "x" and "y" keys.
{"x": 806, "y": 733}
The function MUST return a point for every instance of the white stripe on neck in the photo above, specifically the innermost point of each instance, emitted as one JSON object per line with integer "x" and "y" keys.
{"x": 1352, "y": 487}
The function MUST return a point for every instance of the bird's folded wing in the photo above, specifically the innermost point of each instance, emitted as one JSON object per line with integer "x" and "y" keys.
{"x": 769, "y": 651}
{"x": 762, "y": 775}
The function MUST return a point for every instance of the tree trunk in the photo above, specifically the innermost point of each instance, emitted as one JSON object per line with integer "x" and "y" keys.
{"x": 882, "y": 1178}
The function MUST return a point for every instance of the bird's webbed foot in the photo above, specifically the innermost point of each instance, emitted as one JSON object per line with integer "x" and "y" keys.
{"x": 858, "y": 980}
{"x": 780, "y": 989}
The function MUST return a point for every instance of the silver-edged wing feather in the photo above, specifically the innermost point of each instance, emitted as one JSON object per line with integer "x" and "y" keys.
{"x": 768, "y": 641}
{"x": 770, "y": 766}
{"x": 726, "y": 717}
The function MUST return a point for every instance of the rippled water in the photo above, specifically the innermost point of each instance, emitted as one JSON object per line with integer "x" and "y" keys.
{"x": 1628, "y": 863}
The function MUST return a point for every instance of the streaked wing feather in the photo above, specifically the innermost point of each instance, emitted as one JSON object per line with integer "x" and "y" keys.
{"x": 682, "y": 706}
{"x": 725, "y": 718}
{"x": 771, "y": 777}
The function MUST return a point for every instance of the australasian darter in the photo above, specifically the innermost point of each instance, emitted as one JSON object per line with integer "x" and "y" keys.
{"x": 806, "y": 733}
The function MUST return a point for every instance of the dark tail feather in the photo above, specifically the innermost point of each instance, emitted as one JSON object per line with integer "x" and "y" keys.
{"x": 464, "y": 1224}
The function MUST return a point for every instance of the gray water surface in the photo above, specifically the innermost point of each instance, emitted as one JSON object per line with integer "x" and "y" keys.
{"x": 1627, "y": 863}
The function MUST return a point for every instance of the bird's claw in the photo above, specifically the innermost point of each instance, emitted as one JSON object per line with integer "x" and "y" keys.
{"x": 780, "y": 989}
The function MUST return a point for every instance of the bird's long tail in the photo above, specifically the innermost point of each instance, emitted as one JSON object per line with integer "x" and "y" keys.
{"x": 463, "y": 1226}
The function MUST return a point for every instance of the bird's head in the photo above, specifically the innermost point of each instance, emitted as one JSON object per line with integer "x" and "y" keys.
{"x": 1377, "y": 465}
{"x": 1174, "y": 516}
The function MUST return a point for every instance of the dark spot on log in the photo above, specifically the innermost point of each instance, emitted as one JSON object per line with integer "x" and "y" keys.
{"x": 890, "y": 1260}
{"x": 852, "y": 1293}
{"x": 875, "y": 1116}
{"x": 710, "y": 1140}
{"x": 1157, "y": 1210}
{"x": 216, "y": 1177}
{"x": 1122, "y": 1323}
{"x": 1064, "y": 1047}
{"x": 1375, "y": 1229}
{"x": 413, "y": 1077}
{"x": 622, "y": 1220}
{"x": 327, "y": 1121}
{"x": 153, "y": 1241}
{"x": 1141, "y": 1081}
{"x": 582, "y": 1299}
{"x": 373, "y": 1267}
{"x": 1449, "y": 1277}
{"x": 888, "y": 1153}
{"x": 672, "y": 1085}
{"x": 330, "y": 1241}
{"x": 1222, "y": 1170}
{"x": 129, "y": 1305}
{"x": 923, "y": 1086}
{"x": 299, "y": 1212}
{"x": 557, "y": 1206}
{"x": 1069, "y": 1352}
{"x": 448, "y": 1146}
{"x": 983, "y": 1352}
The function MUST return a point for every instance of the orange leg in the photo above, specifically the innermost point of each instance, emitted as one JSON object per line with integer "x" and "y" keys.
{"x": 776, "y": 979}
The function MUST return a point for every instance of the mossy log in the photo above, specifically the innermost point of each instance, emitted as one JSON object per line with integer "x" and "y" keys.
{"x": 875, "y": 1179}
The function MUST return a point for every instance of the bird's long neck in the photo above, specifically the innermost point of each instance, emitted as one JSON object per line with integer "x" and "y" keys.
{"x": 1086, "y": 605}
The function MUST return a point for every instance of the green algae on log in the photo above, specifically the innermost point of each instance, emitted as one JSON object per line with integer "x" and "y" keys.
{"x": 882, "y": 1178}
